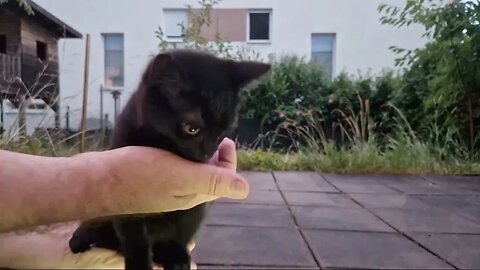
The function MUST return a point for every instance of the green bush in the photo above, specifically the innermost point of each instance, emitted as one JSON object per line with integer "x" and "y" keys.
{"x": 442, "y": 80}
{"x": 296, "y": 90}
{"x": 437, "y": 92}
{"x": 292, "y": 85}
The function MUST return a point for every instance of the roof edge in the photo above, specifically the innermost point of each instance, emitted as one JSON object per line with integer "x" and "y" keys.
{"x": 70, "y": 31}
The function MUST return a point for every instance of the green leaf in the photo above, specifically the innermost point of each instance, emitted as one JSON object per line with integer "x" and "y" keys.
{"x": 23, "y": 4}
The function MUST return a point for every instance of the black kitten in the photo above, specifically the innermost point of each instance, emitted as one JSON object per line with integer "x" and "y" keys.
{"x": 186, "y": 103}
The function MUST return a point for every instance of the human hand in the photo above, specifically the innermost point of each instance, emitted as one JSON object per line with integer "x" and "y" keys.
{"x": 46, "y": 247}
{"x": 146, "y": 180}
{"x": 183, "y": 184}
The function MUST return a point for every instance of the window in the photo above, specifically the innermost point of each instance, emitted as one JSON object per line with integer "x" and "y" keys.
{"x": 323, "y": 48}
{"x": 259, "y": 26}
{"x": 3, "y": 44}
{"x": 114, "y": 58}
{"x": 174, "y": 20}
{"x": 42, "y": 52}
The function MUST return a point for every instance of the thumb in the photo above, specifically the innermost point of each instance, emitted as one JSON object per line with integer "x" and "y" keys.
{"x": 218, "y": 181}
{"x": 227, "y": 155}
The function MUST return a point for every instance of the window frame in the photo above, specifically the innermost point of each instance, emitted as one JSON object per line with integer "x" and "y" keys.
{"x": 45, "y": 48}
{"x": 334, "y": 49}
{"x": 164, "y": 28}
{"x": 260, "y": 41}
{"x": 4, "y": 38}
{"x": 104, "y": 35}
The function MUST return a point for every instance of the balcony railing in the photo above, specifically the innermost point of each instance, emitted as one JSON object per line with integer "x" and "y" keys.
{"x": 10, "y": 67}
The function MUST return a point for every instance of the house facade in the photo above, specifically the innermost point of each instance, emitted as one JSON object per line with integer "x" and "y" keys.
{"x": 344, "y": 35}
{"x": 29, "y": 66}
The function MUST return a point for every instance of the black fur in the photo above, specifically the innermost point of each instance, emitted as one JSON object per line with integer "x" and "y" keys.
{"x": 177, "y": 88}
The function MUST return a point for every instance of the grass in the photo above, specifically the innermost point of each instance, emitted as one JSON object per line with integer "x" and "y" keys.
{"x": 365, "y": 159}
{"x": 43, "y": 144}
{"x": 399, "y": 157}
{"x": 402, "y": 152}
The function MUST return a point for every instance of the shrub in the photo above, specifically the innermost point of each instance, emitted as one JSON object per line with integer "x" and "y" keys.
{"x": 296, "y": 90}
{"x": 293, "y": 84}
{"x": 442, "y": 79}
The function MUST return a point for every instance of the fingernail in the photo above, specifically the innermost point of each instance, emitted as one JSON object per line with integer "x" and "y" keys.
{"x": 240, "y": 189}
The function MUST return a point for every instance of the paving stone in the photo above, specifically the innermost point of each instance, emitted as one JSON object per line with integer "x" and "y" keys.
{"x": 337, "y": 249}
{"x": 250, "y": 215}
{"x": 254, "y": 267}
{"x": 400, "y": 201}
{"x": 338, "y": 219}
{"x": 302, "y": 181}
{"x": 453, "y": 179}
{"x": 451, "y": 201}
{"x": 260, "y": 180}
{"x": 257, "y": 196}
{"x": 472, "y": 213}
{"x": 369, "y": 179}
{"x": 461, "y": 250}
{"x": 464, "y": 205}
{"x": 466, "y": 184}
{"x": 427, "y": 221}
{"x": 334, "y": 224}
{"x": 220, "y": 245}
{"x": 361, "y": 187}
{"x": 426, "y": 188}
{"x": 318, "y": 199}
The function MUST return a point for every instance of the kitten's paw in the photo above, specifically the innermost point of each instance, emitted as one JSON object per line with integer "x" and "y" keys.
{"x": 171, "y": 256}
{"x": 80, "y": 241}
{"x": 177, "y": 267}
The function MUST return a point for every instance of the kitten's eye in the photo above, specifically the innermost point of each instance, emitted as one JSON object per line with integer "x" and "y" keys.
{"x": 190, "y": 129}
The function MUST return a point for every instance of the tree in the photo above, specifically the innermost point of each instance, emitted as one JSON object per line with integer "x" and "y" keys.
{"x": 23, "y": 4}
{"x": 443, "y": 76}
{"x": 192, "y": 38}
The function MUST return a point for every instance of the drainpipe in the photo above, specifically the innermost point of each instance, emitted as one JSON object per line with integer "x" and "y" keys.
{"x": 67, "y": 118}
{"x": 102, "y": 123}
{"x": 116, "y": 103}
{"x": 1, "y": 117}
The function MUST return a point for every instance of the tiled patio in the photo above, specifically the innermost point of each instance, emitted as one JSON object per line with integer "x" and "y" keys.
{"x": 305, "y": 220}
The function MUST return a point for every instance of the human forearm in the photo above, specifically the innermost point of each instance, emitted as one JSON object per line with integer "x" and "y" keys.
{"x": 42, "y": 190}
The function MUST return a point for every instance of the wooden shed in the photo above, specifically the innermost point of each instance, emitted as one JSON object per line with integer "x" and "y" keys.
{"x": 29, "y": 54}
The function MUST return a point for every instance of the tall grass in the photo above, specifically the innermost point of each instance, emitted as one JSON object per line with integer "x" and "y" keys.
{"x": 362, "y": 158}
{"x": 347, "y": 141}
{"x": 44, "y": 141}
{"x": 361, "y": 149}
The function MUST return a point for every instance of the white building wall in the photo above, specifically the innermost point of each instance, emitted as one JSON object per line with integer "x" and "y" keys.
{"x": 361, "y": 41}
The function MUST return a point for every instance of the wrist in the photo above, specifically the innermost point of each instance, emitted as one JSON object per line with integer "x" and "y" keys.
{"x": 95, "y": 170}
{"x": 108, "y": 189}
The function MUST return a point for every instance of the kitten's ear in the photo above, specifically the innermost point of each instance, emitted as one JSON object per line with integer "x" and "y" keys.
{"x": 163, "y": 67}
{"x": 246, "y": 72}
